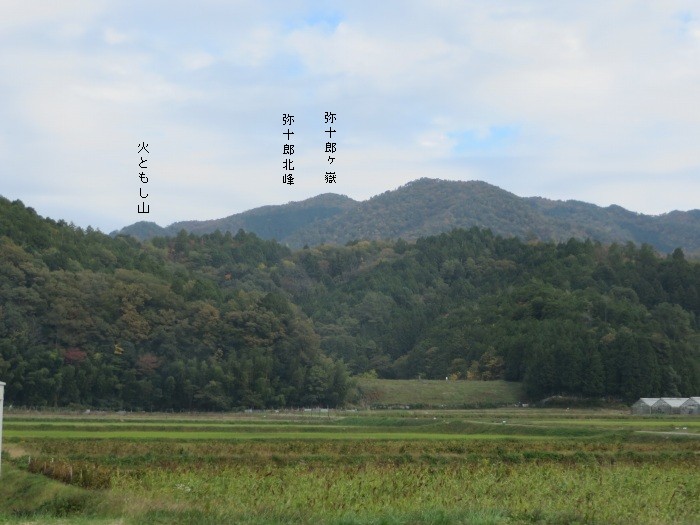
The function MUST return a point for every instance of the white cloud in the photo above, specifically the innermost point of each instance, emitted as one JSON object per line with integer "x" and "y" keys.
{"x": 255, "y": 46}
{"x": 20, "y": 15}
{"x": 597, "y": 91}
{"x": 377, "y": 59}
{"x": 200, "y": 60}
{"x": 114, "y": 37}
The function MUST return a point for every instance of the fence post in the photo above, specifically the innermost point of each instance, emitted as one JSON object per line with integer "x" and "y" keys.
{"x": 2, "y": 400}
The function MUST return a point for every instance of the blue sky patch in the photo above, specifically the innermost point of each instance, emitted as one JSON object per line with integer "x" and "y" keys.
{"x": 494, "y": 140}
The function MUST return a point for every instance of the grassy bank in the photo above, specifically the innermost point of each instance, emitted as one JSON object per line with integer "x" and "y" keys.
{"x": 416, "y": 393}
{"x": 32, "y": 498}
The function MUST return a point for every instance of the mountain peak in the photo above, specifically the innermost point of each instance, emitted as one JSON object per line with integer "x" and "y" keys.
{"x": 427, "y": 206}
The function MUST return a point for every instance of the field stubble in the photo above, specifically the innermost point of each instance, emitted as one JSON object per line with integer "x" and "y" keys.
{"x": 537, "y": 467}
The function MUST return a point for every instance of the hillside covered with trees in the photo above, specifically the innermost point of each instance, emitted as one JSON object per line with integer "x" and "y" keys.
{"x": 576, "y": 317}
{"x": 431, "y": 206}
{"x": 221, "y": 321}
{"x": 95, "y": 321}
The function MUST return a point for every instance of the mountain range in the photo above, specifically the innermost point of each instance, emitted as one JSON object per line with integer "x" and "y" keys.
{"x": 430, "y": 206}
{"x": 219, "y": 321}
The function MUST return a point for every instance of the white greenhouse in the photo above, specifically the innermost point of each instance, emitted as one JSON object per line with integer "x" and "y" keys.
{"x": 667, "y": 405}
{"x": 644, "y": 404}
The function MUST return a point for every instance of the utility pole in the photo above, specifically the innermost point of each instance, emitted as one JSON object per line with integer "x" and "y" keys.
{"x": 2, "y": 400}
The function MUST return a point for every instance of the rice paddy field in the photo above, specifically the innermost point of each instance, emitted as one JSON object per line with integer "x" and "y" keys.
{"x": 381, "y": 467}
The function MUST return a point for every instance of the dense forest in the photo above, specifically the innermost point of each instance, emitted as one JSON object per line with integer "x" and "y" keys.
{"x": 222, "y": 321}
{"x": 90, "y": 320}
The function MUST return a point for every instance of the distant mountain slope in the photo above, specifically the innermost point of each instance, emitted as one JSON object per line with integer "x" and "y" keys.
{"x": 430, "y": 206}
{"x": 424, "y": 207}
{"x": 144, "y": 230}
{"x": 273, "y": 222}
{"x": 268, "y": 222}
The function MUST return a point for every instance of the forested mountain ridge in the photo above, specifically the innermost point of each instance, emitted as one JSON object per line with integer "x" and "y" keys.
{"x": 430, "y": 206}
{"x": 576, "y": 317}
{"x": 267, "y": 222}
{"x": 221, "y": 321}
{"x": 90, "y": 320}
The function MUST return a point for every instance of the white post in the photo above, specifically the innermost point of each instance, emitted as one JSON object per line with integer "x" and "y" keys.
{"x": 2, "y": 399}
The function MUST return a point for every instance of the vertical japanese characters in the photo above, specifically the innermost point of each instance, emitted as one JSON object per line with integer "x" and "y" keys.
{"x": 142, "y": 207}
{"x": 330, "y": 147}
{"x": 288, "y": 151}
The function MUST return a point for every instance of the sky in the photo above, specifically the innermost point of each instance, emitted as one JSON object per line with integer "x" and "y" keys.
{"x": 597, "y": 101}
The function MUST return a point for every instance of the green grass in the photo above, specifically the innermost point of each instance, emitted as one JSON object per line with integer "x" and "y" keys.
{"x": 183, "y": 435}
{"x": 437, "y": 394}
{"x": 28, "y": 498}
{"x": 594, "y": 494}
{"x": 391, "y": 466}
